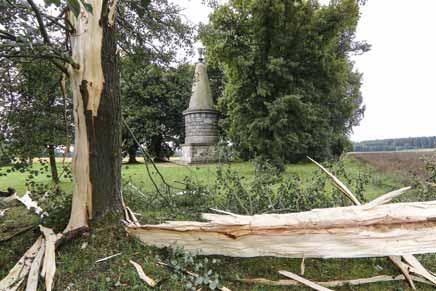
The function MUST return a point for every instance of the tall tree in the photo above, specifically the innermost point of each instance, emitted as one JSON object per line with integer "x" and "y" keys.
{"x": 80, "y": 38}
{"x": 154, "y": 98}
{"x": 291, "y": 89}
{"x": 39, "y": 120}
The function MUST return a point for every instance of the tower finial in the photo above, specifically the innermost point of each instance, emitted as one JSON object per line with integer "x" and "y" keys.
{"x": 201, "y": 54}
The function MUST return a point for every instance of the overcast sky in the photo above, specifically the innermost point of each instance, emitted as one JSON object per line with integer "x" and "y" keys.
{"x": 399, "y": 79}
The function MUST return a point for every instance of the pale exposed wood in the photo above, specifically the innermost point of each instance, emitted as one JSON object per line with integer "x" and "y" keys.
{"x": 3, "y": 211}
{"x": 417, "y": 268}
{"x": 335, "y": 283}
{"x": 381, "y": 200}
{"x": 341, "y": 186}
{"x": 354, "y": 231}
{"x": 223, "y": 212}
{"x": 404, "y": 268}
{"x": 19, "y": 272}
{"x": 27, "y": 201}
{"x": 112, "y": 13}
{"x": 303, "y": 281}
{"x": 386, "y": 198}
{"x": 302, "y": 267}
{"x": 49, "y": 264}
{"x": 32, "y": 279}
{"x": 86, "y": 46}
{"x": 149, "y": 281}
{"x": 108, "y": 258}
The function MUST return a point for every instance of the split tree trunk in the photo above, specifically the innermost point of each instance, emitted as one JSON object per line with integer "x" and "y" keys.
{"x": 344, "y": 232}
{"x": 53, "y": 168}
{"x": 97, "y": 116}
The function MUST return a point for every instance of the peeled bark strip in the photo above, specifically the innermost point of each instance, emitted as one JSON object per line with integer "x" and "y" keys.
{"x": 341, "y": 186}
{"x": 49, "y": 264}
{"x": 343, "y": 232}
{"x": 380, "y": 200}
{"x": 96, "y": 98}
{"x": 32, "y": 279}
{"x": 388, "y": 197}
{"x": 19, "y": 272}
{"x": 149, "y": 281}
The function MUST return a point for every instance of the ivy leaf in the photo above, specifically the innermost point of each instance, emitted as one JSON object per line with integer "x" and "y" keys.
{"x": 88, "y": 6}
{"x": 55, "y": 2}
{"x": 74, "y": 5}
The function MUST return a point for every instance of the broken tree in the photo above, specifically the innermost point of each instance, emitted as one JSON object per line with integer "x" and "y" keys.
{"x": 343, "y": 232}
{"x": 97, "y": 114}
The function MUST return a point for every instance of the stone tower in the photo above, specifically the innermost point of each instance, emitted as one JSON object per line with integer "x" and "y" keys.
{"x": 201, "y": 132}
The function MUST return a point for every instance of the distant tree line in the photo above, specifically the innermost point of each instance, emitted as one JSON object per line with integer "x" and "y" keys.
{"x": 396, "y": 144}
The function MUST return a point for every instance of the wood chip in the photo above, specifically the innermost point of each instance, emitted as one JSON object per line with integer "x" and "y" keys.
{"x": 108, "y": 258}
{"x": 3, "y": 211}
{"x": 149, "y": 281}
{"x": 304, "y": 281}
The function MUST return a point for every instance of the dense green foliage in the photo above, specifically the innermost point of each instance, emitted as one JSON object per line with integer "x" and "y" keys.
{"x": 291, "y": 89}
{"x": 395, "y": 144}
{"x": 37, "y": 114}
{"x": 154, "y": 98}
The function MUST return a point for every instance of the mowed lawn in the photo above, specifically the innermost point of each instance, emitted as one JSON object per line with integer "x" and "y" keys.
{"x": 76, "y": 260}
{"x": 175, "y": 174}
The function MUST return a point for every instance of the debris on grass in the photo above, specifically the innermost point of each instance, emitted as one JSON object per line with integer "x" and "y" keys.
{"x": 49, "y": 264}
{"x": 21, "y": 269}
{"x": 108, "y": 258}
{"x": 149, "y": 281}
{"x": 335, "y": 283}
{"x": 303, "y": 281}
{"x": 3, "y": 211}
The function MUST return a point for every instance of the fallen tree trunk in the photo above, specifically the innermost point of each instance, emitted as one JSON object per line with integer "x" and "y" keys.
{"x": 343, "y": 232}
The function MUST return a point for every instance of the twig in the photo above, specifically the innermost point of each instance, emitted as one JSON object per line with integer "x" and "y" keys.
{"x": 304, "y": 281}
{"x": 341, "y": 186}
{"x": 150, "y": 282}
{"x": 336, "y": 283}
{"x": 386, "y": 198}
{"x": 148, "y": 157}
{"x": 108, "y": 258}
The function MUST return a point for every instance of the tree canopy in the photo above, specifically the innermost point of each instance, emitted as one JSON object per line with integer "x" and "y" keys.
{"x": 291, "y": 88}
{"x": 154, "y": 98}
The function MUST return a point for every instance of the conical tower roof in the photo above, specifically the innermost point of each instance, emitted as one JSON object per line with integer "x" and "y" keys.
{"x": 201, "y": 98}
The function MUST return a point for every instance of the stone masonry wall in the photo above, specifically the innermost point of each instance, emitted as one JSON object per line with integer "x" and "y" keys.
{"x": 201, "y": 127}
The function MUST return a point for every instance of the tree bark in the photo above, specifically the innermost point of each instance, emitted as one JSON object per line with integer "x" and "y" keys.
{"x": 157, "y": 149}
{"x": 53, "y": 168}
{"x": 131, "y": 151}
{"x": 97, "y": 115}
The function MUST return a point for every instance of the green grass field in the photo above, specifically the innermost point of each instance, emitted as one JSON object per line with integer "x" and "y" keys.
{"x": 77, "y": 270}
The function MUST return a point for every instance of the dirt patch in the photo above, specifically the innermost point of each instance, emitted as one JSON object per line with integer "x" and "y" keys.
{"x": 409, "y": 163}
